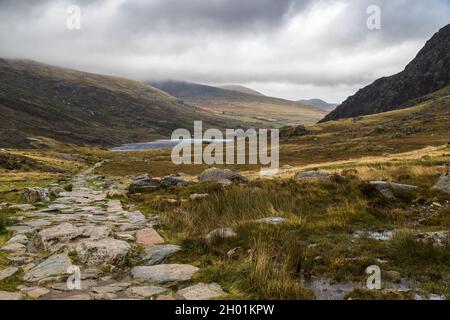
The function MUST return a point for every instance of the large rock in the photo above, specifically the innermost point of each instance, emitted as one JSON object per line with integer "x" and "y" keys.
{"x": 313, "y": 175}
{"x": 8, "y": 272}
{"x": 56, "y": 265}
{"x": 220, "y": 233}
{"x": 104, "y": 251}
{"x": 214, "y": 174}
{"x": 157, "y": 254}
{"x": 148, "y": 237}
{"x": 443, "y": 183}
{"x": 59, "y": 234}
{"x": 33, "y": 195}
{"x": 164, "y": 272}
{"x": 389, "y": 189}
{"x": 144, "y": 184}
{"x": 174, "y": 181}
{"x": 201, "y": 291}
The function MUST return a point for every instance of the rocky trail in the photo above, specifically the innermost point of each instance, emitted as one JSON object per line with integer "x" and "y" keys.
{"x": 80, "y": 247}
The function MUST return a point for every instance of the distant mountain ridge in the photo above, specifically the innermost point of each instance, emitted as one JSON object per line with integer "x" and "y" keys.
{"x": 428, "y": 72}
{"x": 255, "y": 109}
{"x": 39, "y": 100}
{"x": 319, "y": 103}
{"x": 242, "y": 89}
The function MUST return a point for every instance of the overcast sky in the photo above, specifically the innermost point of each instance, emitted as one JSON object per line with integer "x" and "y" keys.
{"x": 288, "y": 48}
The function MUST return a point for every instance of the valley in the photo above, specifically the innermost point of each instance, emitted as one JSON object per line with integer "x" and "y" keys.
{"x": 281, "y": 237}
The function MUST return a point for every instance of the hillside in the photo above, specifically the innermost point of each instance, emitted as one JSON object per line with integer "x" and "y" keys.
{"x": 319, "y": 103}
{"x": 428, "y": 72}
{"x": 250, "y": 108}
{"x": 242, "y": 89}
{"x": 38, "y": 100}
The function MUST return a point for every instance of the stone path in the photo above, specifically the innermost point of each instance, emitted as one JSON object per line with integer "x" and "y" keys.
{"x": 84, "y": 233}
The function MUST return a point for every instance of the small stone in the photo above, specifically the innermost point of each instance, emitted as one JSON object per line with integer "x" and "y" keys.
{"x": 8, "y": 272}
{"x": 33, "y": 195}
{"x": 145, "y": 291}
{"x": 197, "y": 196}
{"x": 148, "y": 237}
{"x": 20, "y": 238}
{"x": 201, "y": 291}
{"x": 443, "y": 184}
{"x": 104, "y": 296}
{"x": 164, "y": 272}
{"x": 220, "y": 233}
{"x": 272, "y": 220}
{"x": 313, "y": 175}
{"x": 157, "y": 254}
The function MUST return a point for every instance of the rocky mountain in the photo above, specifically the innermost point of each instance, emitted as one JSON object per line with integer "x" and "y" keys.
{"x": 254, "y": 109}
{"x": 428, "y": 72}
{"x": 38, "y": 100}
{"x": 242, "y": 89}
{"x": 319, "y": 103}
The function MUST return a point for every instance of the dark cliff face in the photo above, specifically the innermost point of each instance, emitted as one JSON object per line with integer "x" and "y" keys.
{"x": 428, "y": 72}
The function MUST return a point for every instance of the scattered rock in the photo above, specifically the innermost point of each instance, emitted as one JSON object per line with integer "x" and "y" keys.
{"x": 148, "y": 237}
{"x": 33, "y": 195}
{"x": 174, "y": 181}
{"x": 20, "y": 238}
{"x": 157, "y": 254}
{"x": 389, "y": 189}
{"x": 201, "y": 291}
{"x": 214, "y": 174}
{"x": 104, "y": 251}
{"x": 144, "y": 184}
{"x": 440, "y": 238}
{"x": 197, "y": 196}
{"x": 443, "y": 183}
{"x": 382, "y": 236}
{"x": 164, "y": 272}
{"x": 8, "y": 272}
{"x": 220, "y": 233}
{"x": 55, "y": 265}
{"x": 145, "y": 292}
{"x": 314, "y": 175}
{"x": 272, "y": 220}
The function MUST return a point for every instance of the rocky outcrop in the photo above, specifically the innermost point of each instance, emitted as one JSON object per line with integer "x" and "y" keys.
{"x": 428, "y": 72}
{"x": 173, "y": 181}
{"x": 33, "y": 195}
{"x": 220, "y": 233}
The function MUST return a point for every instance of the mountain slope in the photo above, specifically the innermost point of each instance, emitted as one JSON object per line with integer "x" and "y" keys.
{"x": 319, "y": 103}
{"x": 428, "y": 72}
{"x": 83, "y": 108}
{"x": 265, "y": 111}
{"x": 242, "y": 89}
